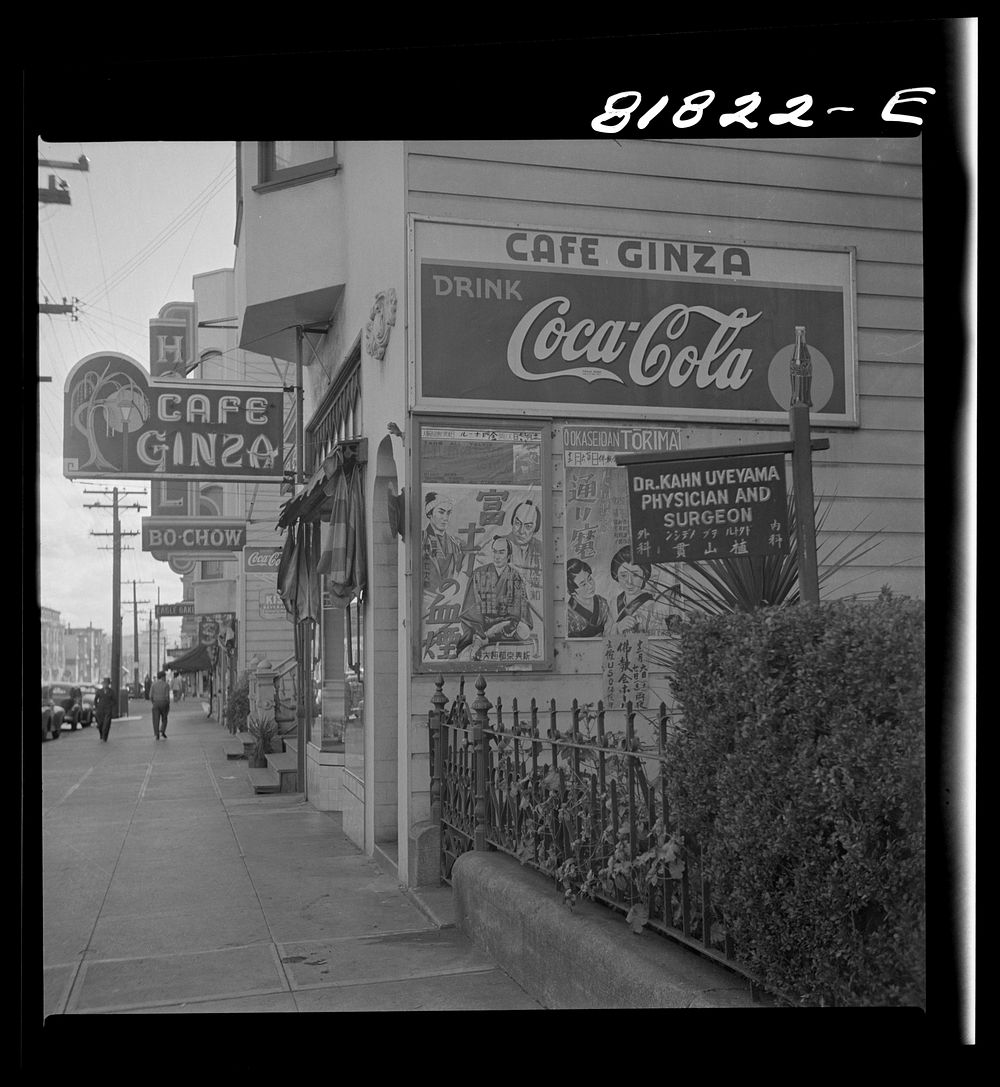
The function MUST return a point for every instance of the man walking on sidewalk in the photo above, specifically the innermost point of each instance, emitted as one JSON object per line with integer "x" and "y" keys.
{"x": 159, "y": 694}
{"x": 105, "y": 700}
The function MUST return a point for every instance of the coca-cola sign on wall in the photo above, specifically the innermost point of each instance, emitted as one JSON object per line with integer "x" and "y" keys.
{"x": 550, "y": 321}
{"x": 261, "y": 560}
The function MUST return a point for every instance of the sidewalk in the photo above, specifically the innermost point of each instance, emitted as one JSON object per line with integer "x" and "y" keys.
{"x": 168, "y": 887}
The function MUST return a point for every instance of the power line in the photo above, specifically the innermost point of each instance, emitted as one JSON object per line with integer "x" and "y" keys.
{"x": 198, "y": 204}
{"x": 97, "y": 236}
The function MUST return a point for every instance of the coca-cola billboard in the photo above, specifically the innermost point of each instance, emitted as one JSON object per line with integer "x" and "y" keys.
{"x": 261, "y": 560}
{"x": 556, "y": 322}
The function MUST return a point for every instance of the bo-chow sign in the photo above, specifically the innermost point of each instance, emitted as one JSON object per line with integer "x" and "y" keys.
{"x": 120, "y": 423}
{"x": 694, "y": 330}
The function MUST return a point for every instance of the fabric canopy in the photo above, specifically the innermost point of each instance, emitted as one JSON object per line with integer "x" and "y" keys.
{"x": 194, "y": 660}
{"x": 298, "y": 579}
{"x": 343, "y": 543}
{"x": 328, "y": 536}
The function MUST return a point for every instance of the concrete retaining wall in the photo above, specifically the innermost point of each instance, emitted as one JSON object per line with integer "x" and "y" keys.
{"x": 581, "y": 958}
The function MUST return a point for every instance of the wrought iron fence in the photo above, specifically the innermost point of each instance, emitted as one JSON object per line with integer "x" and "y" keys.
{"x": 575, "y": 794}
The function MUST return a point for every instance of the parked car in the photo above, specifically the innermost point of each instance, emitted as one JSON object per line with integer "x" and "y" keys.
{"x": 52, "y": 716}
{"x": 87, "y": 694}
{"x": 67, "y": 696}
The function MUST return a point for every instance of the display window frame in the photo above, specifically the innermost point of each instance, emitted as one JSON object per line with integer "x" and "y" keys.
{"x": 499, "y": 523}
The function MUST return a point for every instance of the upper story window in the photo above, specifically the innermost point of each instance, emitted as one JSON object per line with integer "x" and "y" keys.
{"x": 292, "y": 162}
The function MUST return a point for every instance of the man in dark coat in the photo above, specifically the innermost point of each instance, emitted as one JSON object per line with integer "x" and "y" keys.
{"x": 105, "y": 701}
{"x": 159, "y": 695}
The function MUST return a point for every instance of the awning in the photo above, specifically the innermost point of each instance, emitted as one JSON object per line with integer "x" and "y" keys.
{"x": 343, "y": 558}
{"x": 194, "y": 660}
{"x": 269, "y": 327}
{"x": 315, "y": 501}
{"x": 332, "y": 501}
{"x": 298, "y": 576}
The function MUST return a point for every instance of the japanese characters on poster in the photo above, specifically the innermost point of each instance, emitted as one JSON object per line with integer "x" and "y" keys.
{"x": 609, "y": 589}
{"x": 626, "y": 678}
{"x": 482, "y": 547}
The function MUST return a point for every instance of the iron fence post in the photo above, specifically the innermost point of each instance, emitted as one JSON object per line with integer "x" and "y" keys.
{"x": 436, "y": 724}
{"x": 480, "y": 721}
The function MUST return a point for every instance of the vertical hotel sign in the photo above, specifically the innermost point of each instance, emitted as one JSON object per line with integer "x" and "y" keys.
{"x": 173, "y": 339}
{"x": 594, "y": 324}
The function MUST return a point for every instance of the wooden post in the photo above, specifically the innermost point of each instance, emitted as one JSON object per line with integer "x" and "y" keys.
{"x": 480, "y": 708}
{"x": 798, "y": 425}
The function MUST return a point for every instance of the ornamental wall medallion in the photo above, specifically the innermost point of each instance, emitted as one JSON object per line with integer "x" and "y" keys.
{"x": 380, "y": 322}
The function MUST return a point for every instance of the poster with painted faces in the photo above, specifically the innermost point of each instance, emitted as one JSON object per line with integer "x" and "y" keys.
{"x": 482, "y": 547}
{"x": 608, "y": 592}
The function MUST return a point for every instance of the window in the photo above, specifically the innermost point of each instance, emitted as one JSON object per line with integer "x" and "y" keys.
{"x": 212, "y": 569}
{"x": 292, "y": 162}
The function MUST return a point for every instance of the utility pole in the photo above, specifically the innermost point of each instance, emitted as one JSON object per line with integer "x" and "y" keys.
{"x": 58, "y": 191}
{"x": 135, "y": 630}
{"x": 116, "y": 582}
{"x": 66, "y": 307}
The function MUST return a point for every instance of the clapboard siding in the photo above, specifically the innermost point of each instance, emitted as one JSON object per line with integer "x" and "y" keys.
{"x": 660, "y": 194}
{"x": 881, "y": 481}
{"x": 774, "y": 167}
{"x": 869, "y": 151}
{"x": 871, "y": 244}
{"x": 880, "y": 311}
{"x": 891, "y": 345}
{"x": 903, "y": 280}
{"x": 892, "y": 413}
{"x": 890, "y": 379}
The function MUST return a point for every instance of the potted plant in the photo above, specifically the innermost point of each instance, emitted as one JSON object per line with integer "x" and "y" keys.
{"x": 264, "y": 730}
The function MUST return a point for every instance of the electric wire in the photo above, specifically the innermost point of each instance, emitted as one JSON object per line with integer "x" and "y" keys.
{"x": 203, "y": 197}
{"x": 97, "y": 235}
{"x": 138, "y": 259}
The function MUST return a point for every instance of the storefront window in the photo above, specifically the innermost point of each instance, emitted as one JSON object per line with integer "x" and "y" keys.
{"x": 484, "y": 547}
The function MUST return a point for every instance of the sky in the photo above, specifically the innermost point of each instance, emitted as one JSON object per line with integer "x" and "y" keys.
{"x": 144, "y": 219}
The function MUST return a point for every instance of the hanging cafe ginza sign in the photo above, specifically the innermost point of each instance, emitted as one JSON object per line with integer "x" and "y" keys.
{"x": 692, "y": 329}
{"x": 120, "y": 423}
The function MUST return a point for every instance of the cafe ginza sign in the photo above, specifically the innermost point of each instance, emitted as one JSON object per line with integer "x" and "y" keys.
{"x": 120, "y": 423}
{"x": 695, "y": 329}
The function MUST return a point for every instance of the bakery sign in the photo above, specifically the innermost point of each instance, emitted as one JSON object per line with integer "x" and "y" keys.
{"x": 121, "y": 423}
{"x": 693, "y": 329}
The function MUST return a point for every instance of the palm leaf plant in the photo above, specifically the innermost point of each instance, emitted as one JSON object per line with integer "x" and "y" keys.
{"x": 264, "y": 730}
{"x": 721, "y": 586}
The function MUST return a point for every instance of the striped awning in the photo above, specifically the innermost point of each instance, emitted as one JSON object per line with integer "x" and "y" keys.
{"x": 315, "y": 501}
{"x": 326, "y": 535}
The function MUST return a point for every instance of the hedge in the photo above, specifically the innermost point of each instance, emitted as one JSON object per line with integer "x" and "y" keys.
{"x": 799, "y": 768}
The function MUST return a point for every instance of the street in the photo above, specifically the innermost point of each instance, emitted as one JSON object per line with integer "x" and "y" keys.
{"x": 169, "y": 887}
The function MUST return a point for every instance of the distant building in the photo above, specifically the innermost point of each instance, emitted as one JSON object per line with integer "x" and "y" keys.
{"x": 53, "y": 649}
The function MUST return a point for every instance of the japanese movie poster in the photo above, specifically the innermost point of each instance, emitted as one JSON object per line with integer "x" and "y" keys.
{"x": 482, "y": 547}
{"x": 609, "y": 589}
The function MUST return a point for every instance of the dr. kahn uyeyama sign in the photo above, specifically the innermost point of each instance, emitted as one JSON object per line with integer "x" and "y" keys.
{"x": 208, "y": 535}
{"x": 695, "y": 330}
{"x": 119, "y": 423}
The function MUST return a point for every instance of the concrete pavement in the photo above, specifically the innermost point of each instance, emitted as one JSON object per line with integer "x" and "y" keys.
{"x": 169, "y": 887}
